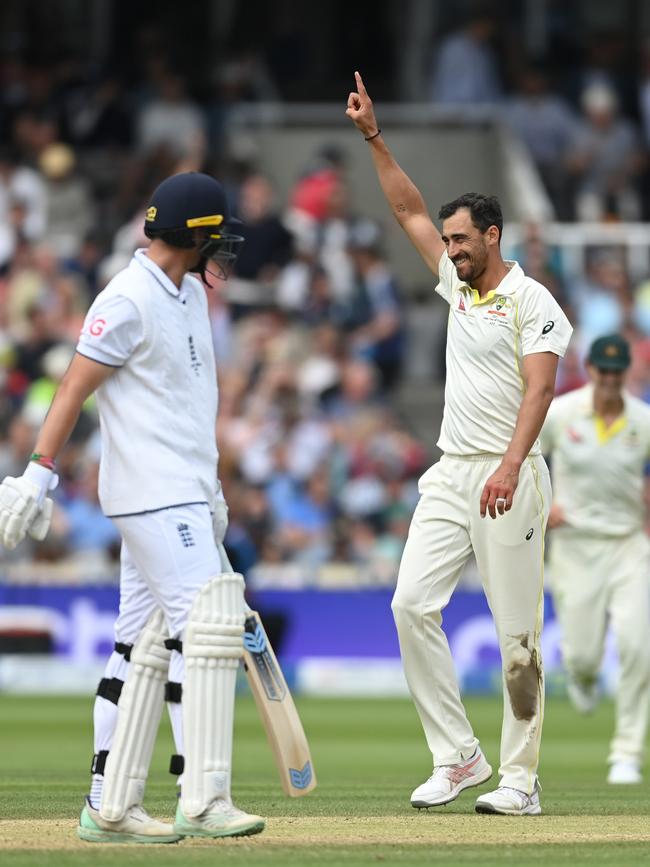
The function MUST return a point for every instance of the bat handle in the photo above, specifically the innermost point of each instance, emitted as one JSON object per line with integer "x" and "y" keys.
{"x": 227, "y": 567}
{"x": 225, "y": 562}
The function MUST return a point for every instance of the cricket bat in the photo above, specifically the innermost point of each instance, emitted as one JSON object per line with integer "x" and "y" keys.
{"x": 275, "y": 705}
{"x": 277, "y": 710}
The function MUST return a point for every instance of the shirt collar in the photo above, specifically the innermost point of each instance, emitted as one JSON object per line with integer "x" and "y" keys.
{"x": 140, "y": 256}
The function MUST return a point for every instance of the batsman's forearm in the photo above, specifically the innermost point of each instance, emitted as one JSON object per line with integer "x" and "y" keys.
{"x": 60, "y": 421}
{"x": 530, "y": 419}
{"x": 401, "y": 193}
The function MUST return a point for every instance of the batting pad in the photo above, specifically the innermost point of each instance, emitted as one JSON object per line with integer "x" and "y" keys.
{"x": 138, "y": 716}
{"x": 212, "y": 647}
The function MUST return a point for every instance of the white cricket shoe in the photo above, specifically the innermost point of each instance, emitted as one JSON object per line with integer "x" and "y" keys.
{"x": 221, "y": 819}
{"x": 583, "y": 696}
{"x": 505, "y": 801}
{"x": 137, "y": 826}
{"x": 447, "y": 781}
{"x": 624, "y": 774}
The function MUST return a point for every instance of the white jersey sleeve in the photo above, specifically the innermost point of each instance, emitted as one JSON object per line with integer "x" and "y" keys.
{"x": 542, "y": 323}
{"x": 449, "y": 279}
{"x": 111, "y": 331}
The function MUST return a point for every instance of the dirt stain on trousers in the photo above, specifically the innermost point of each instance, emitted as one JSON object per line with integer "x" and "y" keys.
{"x": 523, "y": 676}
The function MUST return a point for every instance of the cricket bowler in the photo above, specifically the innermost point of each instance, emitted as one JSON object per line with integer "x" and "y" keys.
{"x": 490, "y": 492}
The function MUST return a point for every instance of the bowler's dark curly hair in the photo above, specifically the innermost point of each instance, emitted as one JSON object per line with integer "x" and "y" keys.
{"x": 485, "y": 211}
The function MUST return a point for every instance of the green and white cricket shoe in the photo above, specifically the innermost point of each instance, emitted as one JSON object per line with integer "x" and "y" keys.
{"x": 505, "y": 801}
{"x": 137, "y": 826}
{"x": 221, "y": 819}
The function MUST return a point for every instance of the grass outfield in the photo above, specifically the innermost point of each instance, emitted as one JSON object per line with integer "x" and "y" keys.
{"x": 368, "y": 754}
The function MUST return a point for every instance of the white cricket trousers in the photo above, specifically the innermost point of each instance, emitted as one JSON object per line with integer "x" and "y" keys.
{"x": 596, "y": 580}
{"x": 167, "y": 556}
{"x": 509, "y": 550}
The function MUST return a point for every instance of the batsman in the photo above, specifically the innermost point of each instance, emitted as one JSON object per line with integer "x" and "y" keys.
{"x": 146, "y": 351}
{"x": 490, "y": 492}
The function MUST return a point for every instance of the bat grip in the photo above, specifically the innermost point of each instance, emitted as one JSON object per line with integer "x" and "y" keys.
{"x": 225, "y": 562}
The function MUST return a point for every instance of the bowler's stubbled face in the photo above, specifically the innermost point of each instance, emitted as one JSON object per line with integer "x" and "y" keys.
{"x": 466, "y": 246}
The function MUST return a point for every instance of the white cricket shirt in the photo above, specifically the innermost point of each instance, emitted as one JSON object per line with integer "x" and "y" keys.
{"x": 487, "y": 339}
{"x": 598, "y": 472}
{"x": 158, "y": 410}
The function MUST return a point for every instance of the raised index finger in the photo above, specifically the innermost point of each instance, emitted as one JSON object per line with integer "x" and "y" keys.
{"x": 360, "y": 85}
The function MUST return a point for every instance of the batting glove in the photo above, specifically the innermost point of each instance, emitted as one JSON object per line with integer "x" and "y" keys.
{"x": 24, "y": 508}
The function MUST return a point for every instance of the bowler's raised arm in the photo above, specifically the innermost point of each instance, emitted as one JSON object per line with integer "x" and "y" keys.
{"x": 402, "y": 195}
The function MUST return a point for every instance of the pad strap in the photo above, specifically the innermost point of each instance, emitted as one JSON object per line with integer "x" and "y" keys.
{"x": 173, "y": 691}
{"x": 176, "y": 765}
{"x": 124, "y": 649}
{"x": 110, "y": 688}
{"x": 99, "y": 762}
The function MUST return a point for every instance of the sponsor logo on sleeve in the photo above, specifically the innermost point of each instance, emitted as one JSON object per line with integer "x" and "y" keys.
{"x": 97, "y": 327}
{"x": 550, "y": 325}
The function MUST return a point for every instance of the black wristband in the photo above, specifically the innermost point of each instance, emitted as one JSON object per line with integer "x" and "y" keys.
{"x": 370, "y": 137}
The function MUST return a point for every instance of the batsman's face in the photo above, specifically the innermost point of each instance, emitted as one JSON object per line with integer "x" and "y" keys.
{"x": 467, "y": 246}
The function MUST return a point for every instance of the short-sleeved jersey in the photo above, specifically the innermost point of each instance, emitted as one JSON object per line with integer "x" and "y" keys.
{"x": 158, "y": 409}
{"x": 487, "y": 339}
{"x": 598, "y": 472}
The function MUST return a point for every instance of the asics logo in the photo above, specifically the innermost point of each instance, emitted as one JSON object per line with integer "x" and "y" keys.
{"x": 461, "y": 772}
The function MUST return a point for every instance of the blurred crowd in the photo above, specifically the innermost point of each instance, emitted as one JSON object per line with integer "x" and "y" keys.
{"x": 587, "y": 128}
{"x": 313, "y": 334}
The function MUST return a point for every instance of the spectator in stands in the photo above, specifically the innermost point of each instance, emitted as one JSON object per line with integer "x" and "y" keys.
{"x": 267, "y": 250}
{"x": 33, "y": 343}
{"x": 304, "y": 520}
{"x": 465, "y": 69}
{"x": 95, "y": 113}
{"x": 543, "y": 262}
{"x": 22, "y": 205}
{"x": 546, "y": 124}
{"x": 378, "y": 334}
{"x": 606, "y": 64}
{"x": 70, "y": 206}
{"x": 240, "y": 79}
{"x": 357, "y": 392}
{"x": 84, "y": 526}
{"x": 16, "y": 445}
{"x": 171, "y": 122}
{"x": 603, "y": 300}
{"x": 320, "y": 219}
{"x": 606, "y": 159}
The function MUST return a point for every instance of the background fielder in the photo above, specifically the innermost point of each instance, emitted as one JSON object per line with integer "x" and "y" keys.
{"x": 505, "y": 334}
{"x": 598, "y": 438}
